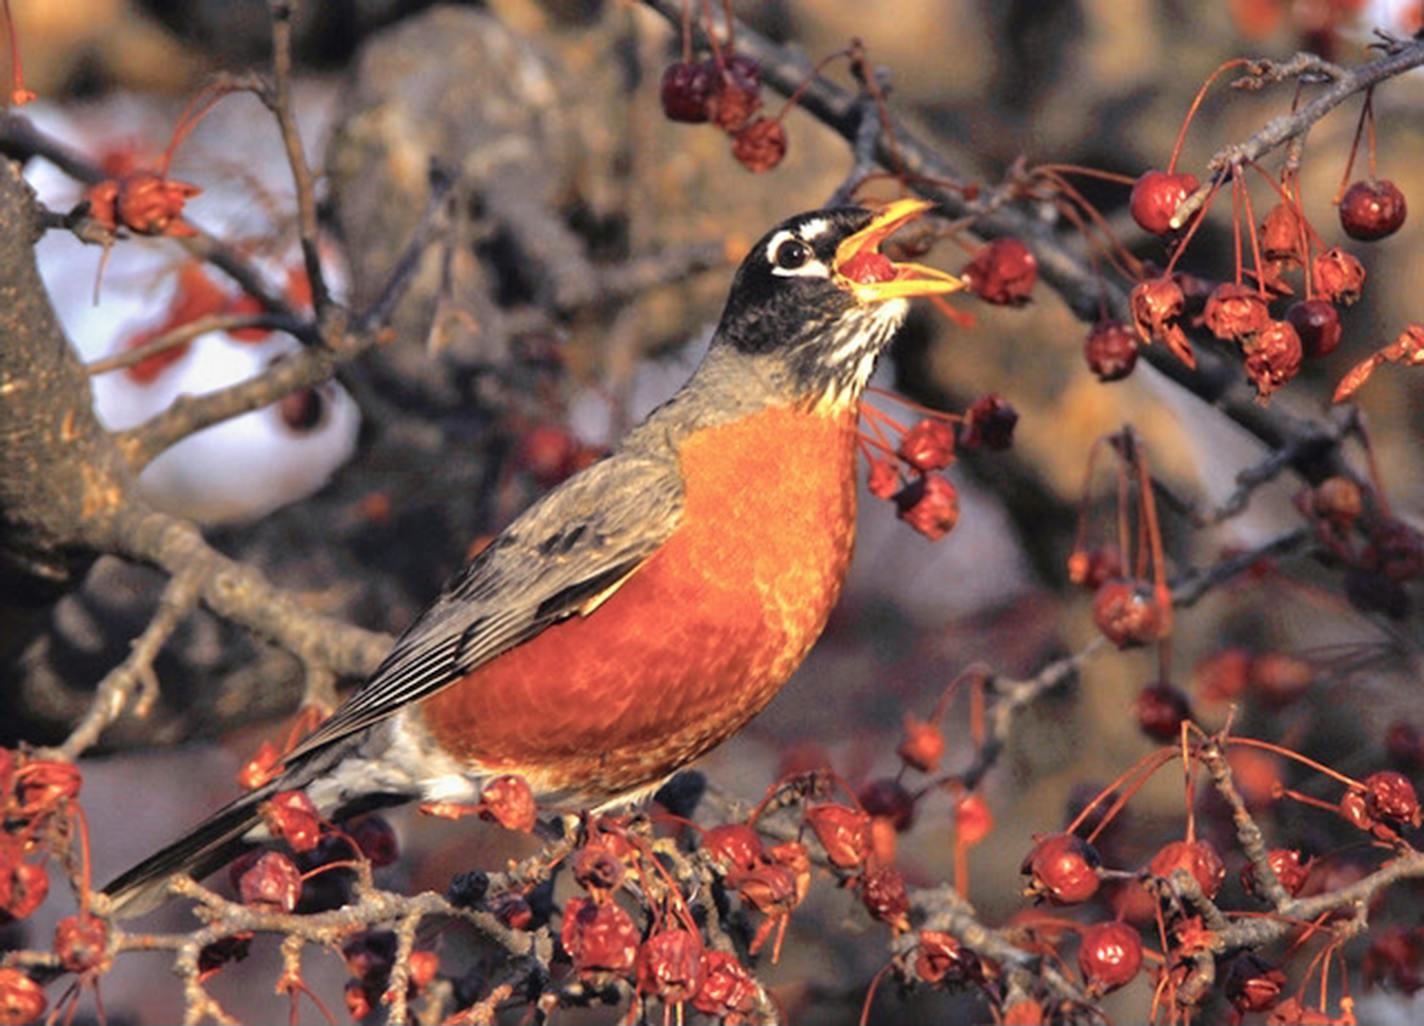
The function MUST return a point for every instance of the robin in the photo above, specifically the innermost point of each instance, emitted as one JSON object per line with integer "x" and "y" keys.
{"x": 643, "y": 611}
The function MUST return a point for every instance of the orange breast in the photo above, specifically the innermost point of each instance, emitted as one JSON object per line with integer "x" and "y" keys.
{"x": 696, "y": 642}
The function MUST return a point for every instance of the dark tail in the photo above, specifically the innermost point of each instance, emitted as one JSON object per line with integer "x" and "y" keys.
{"x": 214, "y": 842}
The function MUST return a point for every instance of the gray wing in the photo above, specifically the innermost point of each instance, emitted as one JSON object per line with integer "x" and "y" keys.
{"x": 561, "y": 557}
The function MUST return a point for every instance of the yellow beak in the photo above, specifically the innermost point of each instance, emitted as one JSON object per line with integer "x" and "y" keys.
{"x": 871, "y": 277}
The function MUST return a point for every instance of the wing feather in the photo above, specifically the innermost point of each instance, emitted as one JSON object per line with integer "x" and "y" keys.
{"x": 559, "y": 559}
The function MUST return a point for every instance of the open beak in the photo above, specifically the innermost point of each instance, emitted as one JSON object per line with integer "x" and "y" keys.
{"x": 872, "y": 277}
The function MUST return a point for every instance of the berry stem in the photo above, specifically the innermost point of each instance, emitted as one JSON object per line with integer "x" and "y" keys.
{"x": 795, "y": 96}
{"x": 1236, "y": 218}
{"x": 1255, "y": 240}
{"x": 686, "y": 31}
{"x": 1196, "y": 103}
{"x": 1305, "y": 760}
{"x": 1086, "y": 172}
{"x": 1148, "y": 764}
{"x": 1196, "y": 223}
{"x": 1355, "y": 146}
{"x": 197, "y": 109}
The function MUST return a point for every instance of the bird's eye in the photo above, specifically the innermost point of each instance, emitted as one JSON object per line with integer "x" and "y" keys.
{"x": 791, "y": 254}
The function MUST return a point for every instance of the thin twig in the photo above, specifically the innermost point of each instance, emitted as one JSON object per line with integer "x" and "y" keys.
{"x": 185, "y": 333}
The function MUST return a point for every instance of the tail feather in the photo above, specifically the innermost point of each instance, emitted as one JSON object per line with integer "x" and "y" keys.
{"x": 214, "y": 842}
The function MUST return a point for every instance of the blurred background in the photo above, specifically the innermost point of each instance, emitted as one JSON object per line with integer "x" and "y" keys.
{"x": 509, "y": 370}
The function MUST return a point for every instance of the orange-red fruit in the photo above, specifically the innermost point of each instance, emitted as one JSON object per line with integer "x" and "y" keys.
{"x": 599, "y": 937}
{"x": 1372, "y": 209}
{"x": 929, "y": 504}
{"x": 291, "y": 816}
{"x": 671, "y": 966}
{"x": 929, "y": 445}
{"x": 940, "y": 955}
{"x": 1109, "y": 956}
{"x": 1390, "y": 795}
{"x": 883, "y": 479}
{"x": 1223, "y": 676}
{"x": 1156, "y": 196}
{"x": 1234, "y": 312}
{"x": 760, "y": 145}
{"x": 685, "y": 89}
{"x": 922, "y": 746}
{"x": 734, "y": 846}
{"x": 1278, "y": 679}
{"x": 1280, "y": 233}
{"x": 972, "y": 819}
{"x": 1199, "y": 858}
{"x": 1090, "y": 568}
{"x": 508, "y": 801}
{"x": 1127, "y": 613}
{"x": 1157, "y": 305}
{"x": 1111, "y": 351}
{"x": 989, "y": 423}
{"x": 882, "y": 891}
{"x": 844, "y": 833}
{"x": 1290, "y": 867}
{"x": 22, "y": 1000}
{"x": 81, "y": 942}
{"x": 1273, "y": 357}
{"x": 1062, "y": 868}
{"x": 736, "y": 91}
{"x": 1002, "y": 272}
{"x": 273, "y": 883}
{"x": 1318, "y": 325}
{"x": 1160, "y": 709}
{"x": 1339, "y": 276}
{"x": 728, "y": 991}
{"x": 598, "y": 871}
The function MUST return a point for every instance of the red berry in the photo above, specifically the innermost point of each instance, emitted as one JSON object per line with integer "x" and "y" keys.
{"x": 1253, "y": 984}
{"x": 686, "y": 88}
{"x": 600, "y": 938}
{"x": 889, "y": 799}
{"x": 302, "y": 411}
{"x": 1223, "y": 676}
{"x": 939, "y": 956}
{"x": 273, "y": 883}
{"x": 868, "y": 266}
{"x": 736, "y": 91}
{"x": 973, "y": 821}
{"x": 291, "y": 816}
{"x": 1290, "y": 867}
{"x": 1127, "y": 613}
{"x": 547, "y": 452}
{"x": 1002, "y": 272}
{"x": 507, "y": 800}
{"x": 882, "y": 891}
{"x": 598, "y": 871}
{"x": 377, "y": 841}
{"x": 671, "y": 966}
{"x": 1257, "y": 775}
{"x": 844, "y": 833}
{"x": 22, "y": 1000}
{"x": 1278, "y": 679}
{"x": 1109, "y": 956}
{"x": 1199, "y": 858}
{"x": 1234, "y": 312}
{"x": 1272, "y": 357}
{"x": 1089, "y": 568}
{"x": 361, "y": 1000}
{"x": 1339, "y": 276}
{"x": 82, "y": 943}
{"x": 989, "y": 424}
{"x": 930, "y": 505}
{"x": 1372, "y": 209}
{"x": 760, "y": 145}
{"x": 922, "y": 746}
{"x": 929, "y": 445}
{"x": 883, "y": 479}
{"x": 1111, "y": 350}
{"x": 23, "y": 891}
{"x": 1157, "y": 305}
{"x": 734, "y": 846}
{"x": 1318, "y": 325}
{"x": 1156, "y": 196}
{"x": 728, "y": 991}
{"x": 1281, "y": 234}
{"x": 1160, "y": 709}
{"x": 1338, "y": 499}
{"x": 1063, "y": 868}
{"x": 1390, "y": 795}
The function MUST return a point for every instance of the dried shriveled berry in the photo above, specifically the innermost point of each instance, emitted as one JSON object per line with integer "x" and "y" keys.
{"x": 1396, "y": 550}
{"x": 1160, "y": 710}
{"x": 922, "y": 745}
{"x": 1002, "y": 272}
{"x": 736, "y": 91}
{"x": 1199, "y": 858}
{"x": 512, "y": 909}
{"x": 222, "y": 951}
{"x": 1372, "y": 209}
{"x": 293, "y": 817}
{"x": 1317, "y": 323}
{"x": 599, "y": 871}
{"x": 1127, "y": 613}
{"x": 273, "y": 883}
{"x": 23, "y": 890}
{"x": 1109, "y": 956}
{"x": 22, "y": 1000}
{"x": 1156, "y": 195}
{"x": 760, "y": 145}
{"x": 939, "y": 956}
{"x": 685, "y": 89}
{"x": 929, "y": 445}
{"x": 1234, "y": 312}
{"x": 728, "y": 991}
{"x": 989, "y": 424}
{"x": 734, "y": 846}
{"x": 1091, "y": 568}
{"x": 1339, "y": 276}
{"x": 671, "y": 966}
{"x": 883, "y": 479}
{"x": 1390, "y": 795}
{"x": 1291, "y": 869}
{"x": 1157, "y": 305}
{"x": 508, "y": 801}
{"x": 1062, "y": 868}
{"x": 1111, "y": 350}
{"x": 1281, "y": 239}
{"x": 1273, "y": 357}
{"x": 600, "y": 938}
{"x": 45, "y": 785}
{"x": 82, "y": 943}
{"x": 882, "y": 892}
{"x": 1253, "y": 984}
{"x": 929, "y": 504}
{"x": 843, "y": 833}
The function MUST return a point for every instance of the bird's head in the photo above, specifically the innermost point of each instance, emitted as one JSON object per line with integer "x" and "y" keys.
{"x": 817, "y": 300}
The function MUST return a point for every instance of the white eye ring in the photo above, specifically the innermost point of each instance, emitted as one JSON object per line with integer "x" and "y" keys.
{"x": 812, "y": 268}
